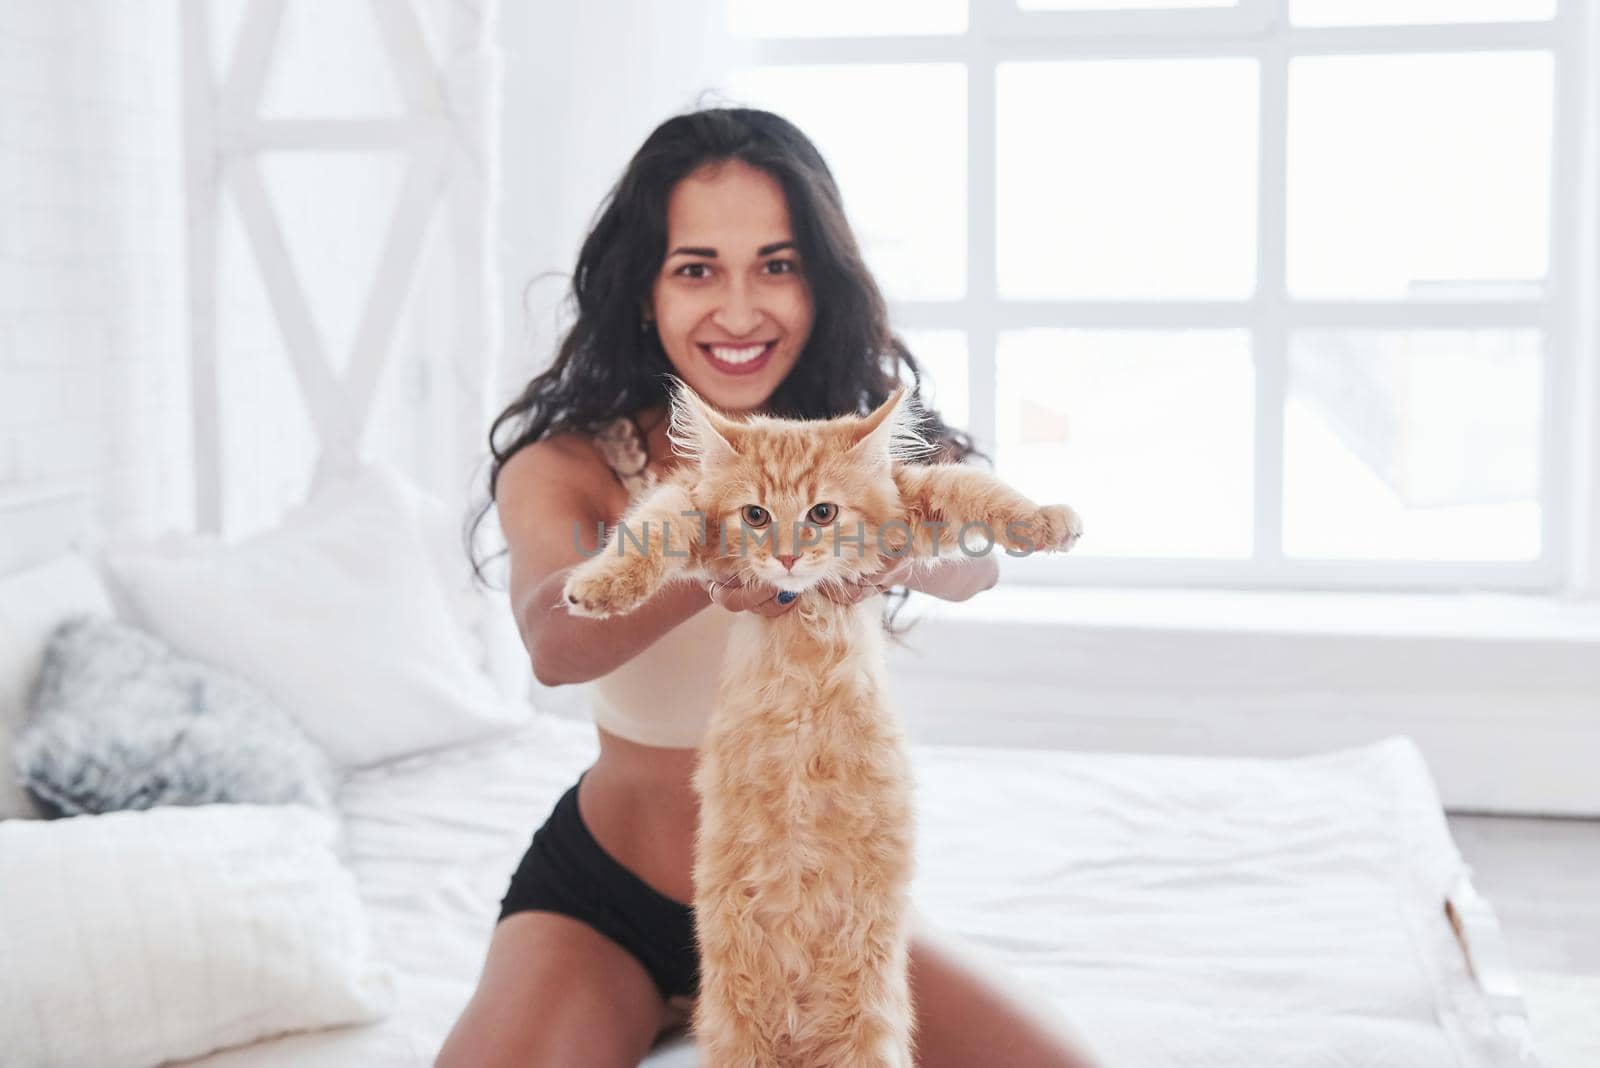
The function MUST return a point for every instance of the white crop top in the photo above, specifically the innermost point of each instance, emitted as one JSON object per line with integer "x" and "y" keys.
{"x": 663, "y": 696}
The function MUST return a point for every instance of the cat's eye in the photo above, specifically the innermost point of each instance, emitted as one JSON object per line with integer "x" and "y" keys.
{"x": 822, "y": 514}
{"x": 755, "y": 515}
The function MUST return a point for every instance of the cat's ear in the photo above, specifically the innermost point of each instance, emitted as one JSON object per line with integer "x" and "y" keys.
{"x": 891, "y": 432}
{"x": 698, "y": 430}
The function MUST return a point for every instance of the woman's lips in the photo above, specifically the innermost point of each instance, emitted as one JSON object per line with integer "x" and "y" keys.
{"x": 738, "y": 359}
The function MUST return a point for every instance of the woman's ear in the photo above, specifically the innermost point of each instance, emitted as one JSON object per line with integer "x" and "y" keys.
{"x": 698, "y": 430}
{"x": 890, "y": 432}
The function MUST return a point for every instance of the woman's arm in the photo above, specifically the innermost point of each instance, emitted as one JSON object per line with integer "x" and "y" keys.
{"x": 955, "y": 578}
{"x": 566, "y": 648}
{"x": 552, "y": 523}
{"x": 950, "y": 578}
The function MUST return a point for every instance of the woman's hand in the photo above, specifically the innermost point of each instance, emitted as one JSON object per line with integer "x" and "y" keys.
{"x": 726, "y": 589}
{"x": 890, "y": 573}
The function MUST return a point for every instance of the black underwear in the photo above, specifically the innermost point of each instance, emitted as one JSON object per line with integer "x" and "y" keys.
{"x": 565, "y": 870}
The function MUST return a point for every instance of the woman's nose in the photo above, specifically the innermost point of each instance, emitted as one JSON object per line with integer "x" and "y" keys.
{"x": 738, "y": 314}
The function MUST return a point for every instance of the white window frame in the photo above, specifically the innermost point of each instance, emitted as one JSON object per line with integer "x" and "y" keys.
{"x": 998, "y": 31}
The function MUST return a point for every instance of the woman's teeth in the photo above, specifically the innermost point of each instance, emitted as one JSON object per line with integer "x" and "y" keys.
{"x": 743, "y": 354}
{"x": 739, "y": 359}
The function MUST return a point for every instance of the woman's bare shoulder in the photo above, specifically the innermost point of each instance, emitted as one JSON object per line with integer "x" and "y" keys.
{"x": 566, "y": 465}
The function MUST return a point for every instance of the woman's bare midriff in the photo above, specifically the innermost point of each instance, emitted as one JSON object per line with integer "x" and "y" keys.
{"x": 639, "y": 803}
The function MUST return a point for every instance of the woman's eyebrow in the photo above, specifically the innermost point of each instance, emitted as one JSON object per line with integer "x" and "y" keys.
{"x": 711, "y": 253}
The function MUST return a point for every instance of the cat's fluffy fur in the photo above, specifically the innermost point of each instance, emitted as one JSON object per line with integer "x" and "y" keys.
{"x": 804, "y": 851}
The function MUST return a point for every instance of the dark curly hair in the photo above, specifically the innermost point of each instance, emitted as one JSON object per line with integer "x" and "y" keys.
{"x": 608, "y": 365}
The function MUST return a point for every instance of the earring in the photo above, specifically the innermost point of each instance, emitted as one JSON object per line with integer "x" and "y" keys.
{"x": 645, "y": 325}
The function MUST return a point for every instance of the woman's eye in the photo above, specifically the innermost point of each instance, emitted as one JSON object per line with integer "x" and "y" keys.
{"x": 782, "y": 266}
{"x": 755, "y": 515}
{"x": 823, "y": 514}
{"x": 694, "y": 270}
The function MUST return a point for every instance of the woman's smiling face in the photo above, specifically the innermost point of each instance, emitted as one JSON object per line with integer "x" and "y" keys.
{"x": 731, "y": 304}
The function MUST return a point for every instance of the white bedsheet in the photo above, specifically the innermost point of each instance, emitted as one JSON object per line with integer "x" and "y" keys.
{"x": 1180, "y": 911}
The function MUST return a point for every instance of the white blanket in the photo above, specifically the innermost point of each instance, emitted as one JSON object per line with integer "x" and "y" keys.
{"x": 1179, "y": 911}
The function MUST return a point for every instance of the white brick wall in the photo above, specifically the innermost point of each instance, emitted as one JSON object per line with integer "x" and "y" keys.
{"x": 93, "y": 368}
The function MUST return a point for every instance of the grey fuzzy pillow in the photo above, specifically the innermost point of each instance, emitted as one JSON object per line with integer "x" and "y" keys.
{"x": 119, "y": 720}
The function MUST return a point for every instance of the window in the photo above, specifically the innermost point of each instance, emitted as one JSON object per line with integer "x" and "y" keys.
{"x": 1277, "y": 293}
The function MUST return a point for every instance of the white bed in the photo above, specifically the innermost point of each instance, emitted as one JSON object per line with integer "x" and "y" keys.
{"x": 1180, "y": 911}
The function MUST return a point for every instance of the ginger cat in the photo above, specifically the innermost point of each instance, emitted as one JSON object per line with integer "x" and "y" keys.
{"x": 804, "y": 851}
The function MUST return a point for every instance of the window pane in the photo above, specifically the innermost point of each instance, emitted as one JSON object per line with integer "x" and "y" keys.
{"x": 1148, "y": 434}
{"x": 1395, "y": 12}
{"x": 1413, "y": 445}
{"x": 906, "y": 195}
{"x": 1118, "y": 5}
{"x": 1127, "y": 179}
{"x": 942, "y": 355}
{"x": 1419, "y": 176}
{"x": 846, "y": 18}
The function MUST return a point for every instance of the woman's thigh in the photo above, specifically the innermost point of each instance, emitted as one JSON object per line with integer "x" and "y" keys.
{"x": 969, "y": 1013}
{"x": 556, "y": 993}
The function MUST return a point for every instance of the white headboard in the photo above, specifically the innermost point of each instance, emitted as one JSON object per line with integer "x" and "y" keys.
{"x": 443, "y": 57}
{"x": 37, "y": 524}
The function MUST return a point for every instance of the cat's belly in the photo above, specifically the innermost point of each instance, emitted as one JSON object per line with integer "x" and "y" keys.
{"x": 802, "y": 888}
{"x": 786, "y": 826}
{"x": 806, "y": 820}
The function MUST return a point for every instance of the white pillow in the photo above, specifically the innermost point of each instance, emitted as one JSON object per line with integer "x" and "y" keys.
{"x": 484, "y": 614}
{"x": 337, "y": 614}
{"x": 32, "y": 603}
{"x": 138, "y": 937}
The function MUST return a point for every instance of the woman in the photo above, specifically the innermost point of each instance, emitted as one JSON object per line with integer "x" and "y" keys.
{"x": 722, "y": 257}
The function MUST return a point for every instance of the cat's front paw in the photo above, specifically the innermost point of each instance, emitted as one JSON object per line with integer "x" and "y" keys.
{"x": 598, "y": 592}
{"x": 1061, "y": 527}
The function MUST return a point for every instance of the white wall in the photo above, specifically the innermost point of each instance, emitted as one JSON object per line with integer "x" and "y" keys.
{"x": 93, "y": 368}
{"x": 584, "y": 85}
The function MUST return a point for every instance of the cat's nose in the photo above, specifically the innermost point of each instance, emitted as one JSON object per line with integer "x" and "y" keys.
{"x": 787, "y": 561}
